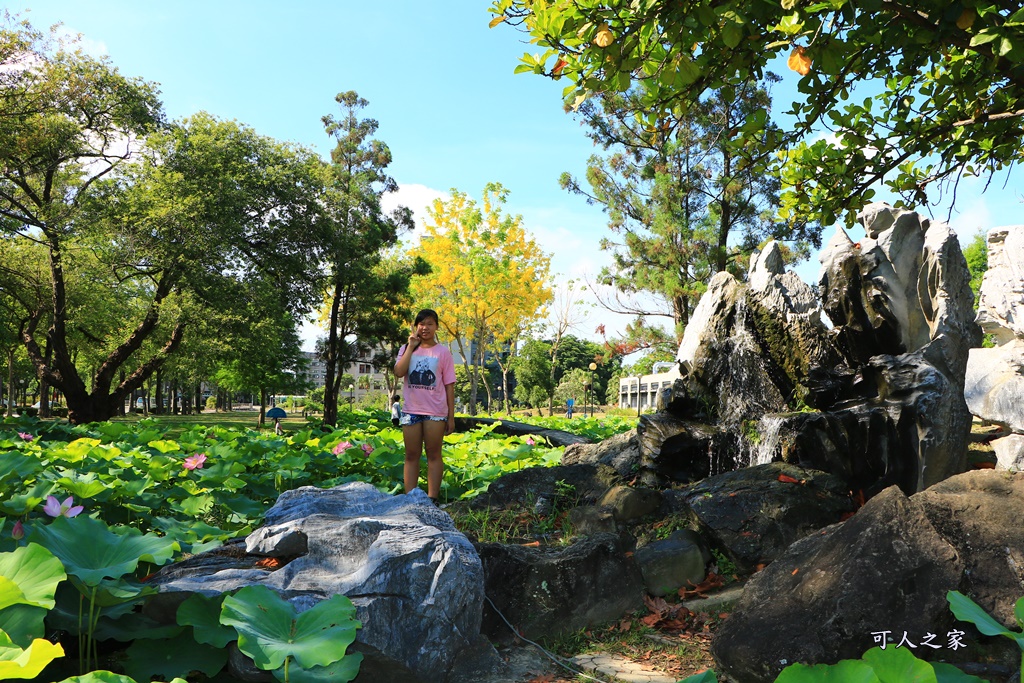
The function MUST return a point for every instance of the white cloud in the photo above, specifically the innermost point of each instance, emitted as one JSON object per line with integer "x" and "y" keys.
{"x": 417, "y": 198}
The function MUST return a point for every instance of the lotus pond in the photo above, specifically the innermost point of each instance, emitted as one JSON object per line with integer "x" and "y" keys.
{"x": 87, "y": 512}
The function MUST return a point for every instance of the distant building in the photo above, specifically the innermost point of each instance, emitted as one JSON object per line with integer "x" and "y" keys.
{"x": 315, "y": 375}
{"x": 641, "y": 393}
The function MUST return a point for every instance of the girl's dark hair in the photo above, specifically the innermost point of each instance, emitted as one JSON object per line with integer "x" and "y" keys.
{"x": 427, "y": 313}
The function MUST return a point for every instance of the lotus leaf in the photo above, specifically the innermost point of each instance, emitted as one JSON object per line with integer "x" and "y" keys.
{"x": 203, "y": 615}
{"x": 341, "y": 671}
{"x": 23, "y": 503}
{"x": 77, "y": 449}
{"x": 34, "y": 572}
{"x": 174, "y": 657}
{"x": 23, "y": 623}
{"x": 846, "y": 671}
{"x": 29, "y": 662}
{"x": 270, "y": 631}
{"x": 165, "y": 445}
{"x": 91, "y": 551}
{"x": 107, "y": 677}
{"x": 707, "y": 676}
{"x": 82, "y": 485}
{"x": 965, "y": 609}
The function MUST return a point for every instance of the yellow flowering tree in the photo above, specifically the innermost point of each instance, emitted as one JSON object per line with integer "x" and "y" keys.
{"x": 487, "y": 275}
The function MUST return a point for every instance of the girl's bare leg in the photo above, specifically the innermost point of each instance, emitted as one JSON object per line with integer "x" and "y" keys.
{"x": 433, "y": 436}
{"x": 413, "y": 437}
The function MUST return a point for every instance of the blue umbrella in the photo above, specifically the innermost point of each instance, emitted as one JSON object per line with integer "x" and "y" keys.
{"x": 276, "y": 413}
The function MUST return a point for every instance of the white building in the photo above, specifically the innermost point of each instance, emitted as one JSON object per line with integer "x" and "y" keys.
{"x": 641, "y": 393}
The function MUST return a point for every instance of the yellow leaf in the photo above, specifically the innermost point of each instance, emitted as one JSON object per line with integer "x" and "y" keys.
{"x": 496, "y": 20}
{"x": 559, "y": 65}
{"x": 966, "y": 19}
{"x": 603, "y": 37}
{"x": 798, "y": 61}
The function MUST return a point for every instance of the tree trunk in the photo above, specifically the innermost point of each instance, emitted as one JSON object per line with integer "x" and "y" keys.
{"x": 263, "y": 406}
{"x": 11, "y": 398}
{"x": 44, "y": 387}
{"x": 198, "y": 395}
{"x": 159, "y": 382}
{"x": 332, "y": 373}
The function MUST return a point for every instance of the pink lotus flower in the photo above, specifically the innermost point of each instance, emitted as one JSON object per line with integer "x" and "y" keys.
{"x": 367, "y": 449}
{"x": 342, "y": 447}
{"x": 530, "y": 440}
{"x": 26, "y": 436}
{"x": 68, "y": 509}
{"x": 18, "y": 532}
{"x": 194, "y": 461}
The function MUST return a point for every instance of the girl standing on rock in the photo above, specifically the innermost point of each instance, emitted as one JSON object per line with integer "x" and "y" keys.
{"x": 429, "y": 395}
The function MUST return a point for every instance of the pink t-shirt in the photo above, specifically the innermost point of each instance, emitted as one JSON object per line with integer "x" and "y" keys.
{"x": 430, "y": 370}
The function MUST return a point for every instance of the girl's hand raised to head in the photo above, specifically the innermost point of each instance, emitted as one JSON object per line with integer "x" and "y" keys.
{"x": 414, "y": 341}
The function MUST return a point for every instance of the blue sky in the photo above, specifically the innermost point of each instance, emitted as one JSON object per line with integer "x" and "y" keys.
{"x": 439, "y": 82}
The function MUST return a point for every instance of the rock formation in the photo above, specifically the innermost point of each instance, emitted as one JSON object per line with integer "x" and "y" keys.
{"x": 995, "y": 376}
{"x": 885, "y": 382}
{"x": 884, "y": 573}
{"x": 417, "y": 583}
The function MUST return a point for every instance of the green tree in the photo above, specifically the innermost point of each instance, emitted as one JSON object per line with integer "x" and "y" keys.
{"x": 534, "y": 376}
{"x": 914, "y": 92}
{"x": 976, "y": 253}
{"x": 684, "y": 192}
{"x": 487, "y": 274}
{"x": 359, "y": 233}
{"x": 125, "y": 241}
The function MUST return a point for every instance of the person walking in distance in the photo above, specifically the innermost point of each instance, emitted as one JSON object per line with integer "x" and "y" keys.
{"x": 428, "y": 372}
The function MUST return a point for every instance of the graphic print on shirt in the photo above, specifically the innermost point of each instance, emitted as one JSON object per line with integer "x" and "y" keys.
{"x": 424, "y": 372}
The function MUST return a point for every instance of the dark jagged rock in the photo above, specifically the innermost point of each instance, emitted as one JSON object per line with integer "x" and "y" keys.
{"x": 622, "y": 452}
{"x": 676, "y": 450}
{"x": 887, "y": 568}
{"x": 547, "y": 592}
{"x": 574, "y": 483}
{"x": 755, "y": 513}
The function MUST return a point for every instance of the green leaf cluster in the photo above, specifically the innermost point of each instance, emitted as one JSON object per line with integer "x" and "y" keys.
{"x": 912, "y": 93}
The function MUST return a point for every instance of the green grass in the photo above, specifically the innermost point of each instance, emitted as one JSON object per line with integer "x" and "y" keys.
{"x": 176, "y": 425}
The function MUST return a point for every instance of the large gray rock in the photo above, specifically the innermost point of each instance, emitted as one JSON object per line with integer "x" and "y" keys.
{"x": 417, "y": 583}
{"x": 621, "y": 452}
{"x": 747, "y": 347}
{"x": 1009, "y": 452}
{"x": 754, "y": 514}
{"x": 546, "y": 592}
{"x": 673, "y": 449}
{"x": 903, "y": 312}
{"x": 887, "y": 568}
{"x": 678, "y": 561}
{"x": 994, "y": 386}
{"x": 1001, "y": 299}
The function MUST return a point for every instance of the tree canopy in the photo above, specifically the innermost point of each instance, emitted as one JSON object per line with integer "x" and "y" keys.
{"x": 487, "y": 274}
{"x": 912, "y": 93}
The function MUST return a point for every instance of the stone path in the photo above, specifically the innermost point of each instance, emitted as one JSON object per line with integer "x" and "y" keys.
{"x": 621, "y": 669}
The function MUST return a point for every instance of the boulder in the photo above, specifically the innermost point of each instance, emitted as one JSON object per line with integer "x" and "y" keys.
{"x": 884, "y": 573}
{"x": 629, "y": 504}
{"x": 676, "y": 562}
{"x": 621, "y": 452}
{"x": 564, "y": 485}
{"x": 417, "y": 583}
{"x": 673, "y": 449}
{"x": 1001, "y": 298}
{"x": 1009, "y": 452}
{"x": 747, "y": 347}
{"x": 994, "y": 385}
{"x": 546, "y": 592}
{"x": 902, "y": 308}
{"x": 754, "y": 514}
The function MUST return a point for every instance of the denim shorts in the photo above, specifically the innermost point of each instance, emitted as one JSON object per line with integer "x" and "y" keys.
{"x": 409, "y": 419}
